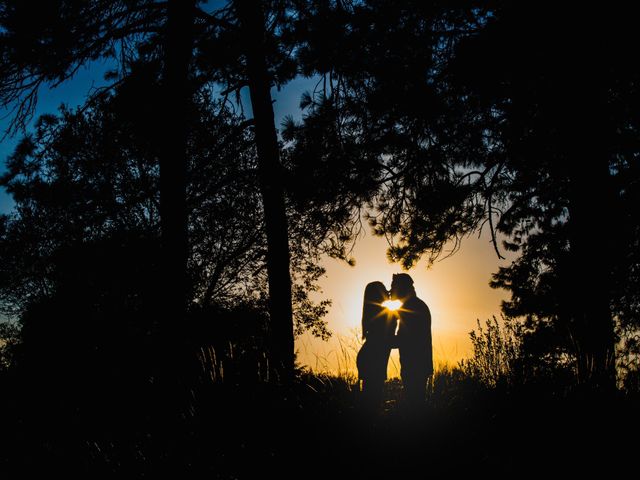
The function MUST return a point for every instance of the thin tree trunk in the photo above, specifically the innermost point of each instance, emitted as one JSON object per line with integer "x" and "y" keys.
{"x": 173, "y": 157}
{"x": 251, "y": 17}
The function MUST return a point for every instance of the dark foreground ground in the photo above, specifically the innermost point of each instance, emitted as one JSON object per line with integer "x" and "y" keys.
{"x": 320, "y": 429}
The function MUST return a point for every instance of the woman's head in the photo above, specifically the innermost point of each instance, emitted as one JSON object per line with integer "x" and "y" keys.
{"x": 375, "y": 292}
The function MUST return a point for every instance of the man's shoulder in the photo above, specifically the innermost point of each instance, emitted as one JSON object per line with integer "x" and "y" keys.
{"x": 418, "y": 305}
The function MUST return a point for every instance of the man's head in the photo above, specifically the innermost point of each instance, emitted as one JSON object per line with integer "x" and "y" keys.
{"x": 402, "y": 286}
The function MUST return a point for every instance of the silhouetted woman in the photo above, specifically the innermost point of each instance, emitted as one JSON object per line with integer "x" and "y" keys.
{"x": 378, "y": 329}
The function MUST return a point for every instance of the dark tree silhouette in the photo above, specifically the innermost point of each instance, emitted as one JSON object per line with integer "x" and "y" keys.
{"x": 44, "y": 44}
{"x": 226, "y": 52}
{"x": 559, "y": 102}
{"x": 172, "y": 356}
{"x": 479, "y": 117}
{"x": 92, "y": 173}
{"x": 252, "y": 23}
{"x": 81, "y": 267}
{"x": 178, "y": 46}
{"x": 260, "y": 45}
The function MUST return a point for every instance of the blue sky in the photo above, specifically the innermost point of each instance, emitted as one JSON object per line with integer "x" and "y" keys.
{"x": 72, "y": 93}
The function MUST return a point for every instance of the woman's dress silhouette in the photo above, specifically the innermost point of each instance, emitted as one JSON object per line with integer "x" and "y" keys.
{"x": 378, "y": 330}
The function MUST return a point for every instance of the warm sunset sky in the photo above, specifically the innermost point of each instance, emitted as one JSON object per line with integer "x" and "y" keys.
{"x": 455, "y": 289}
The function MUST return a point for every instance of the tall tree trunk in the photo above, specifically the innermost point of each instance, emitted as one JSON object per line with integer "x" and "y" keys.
{"x": 173, "y": 157}
{"x": 251, "y": 16}
{"x": 172, "y": 356}
{"x": 590, "y": 283}
{"x": 591, "y": 207}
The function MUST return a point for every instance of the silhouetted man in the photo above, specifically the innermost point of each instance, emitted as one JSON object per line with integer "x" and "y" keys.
{"x": 413, "y": 338}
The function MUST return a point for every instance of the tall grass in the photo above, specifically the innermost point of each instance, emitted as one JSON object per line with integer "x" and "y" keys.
{"x": 496, "y": 350}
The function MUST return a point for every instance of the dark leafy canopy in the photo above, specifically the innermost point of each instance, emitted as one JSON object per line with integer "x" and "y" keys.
{"x": 128, "y": 33}
{"x": 226, "y": 260}
{"x": 495, "y": 116}
{"x": 88, "y": 176}
{"x": 565, "y": 111}
{"x": 44, "y": 43}
{"x": 379, "y": 103}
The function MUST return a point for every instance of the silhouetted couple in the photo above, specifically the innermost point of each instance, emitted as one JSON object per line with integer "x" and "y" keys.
{"x": 413, "y": 339}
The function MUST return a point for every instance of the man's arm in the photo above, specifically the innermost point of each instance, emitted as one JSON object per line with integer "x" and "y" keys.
{"x": 429, "y": 340}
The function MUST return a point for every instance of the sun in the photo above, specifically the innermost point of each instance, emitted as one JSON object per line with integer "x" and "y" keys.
{"x": 392, "y": 305}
